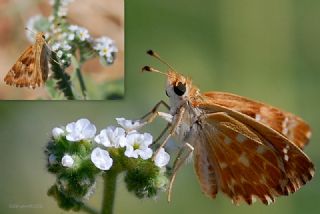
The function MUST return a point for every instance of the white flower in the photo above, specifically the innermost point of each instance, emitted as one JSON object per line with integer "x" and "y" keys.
{"x": 111, "y": 137}
{"x": 57, "y": 133}
{"x": 83, "y": 34}
{"x": 73, "y": 28}
{"x": 31, "y": 23}
{"x": 59, "y": 53}
{"x": 55, "y": 46}
{"x": 66, "y": 46}
{"x": 101, "y": 159}
{"x": 106, "y": 47}
{"x": 52, "y": 159}
{"x": 67, "y": 161}
{"x": 137, "y": 145}
{"x": 129, "y": 125}
{"x": 62, "y": 11}
{"x": 80, "y": 32}
{"x": 83, "y": 129}
{"x": 162, "y": 158}
{"x": 71, "y": 36}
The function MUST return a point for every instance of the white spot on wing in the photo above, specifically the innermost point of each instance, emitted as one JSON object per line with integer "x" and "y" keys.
{"x": 223, "y": 165}
{"x": 241, "y": 138}
{"x": 244, "y": 160}
{"x": 227, "y": 140}
{"x": 258, "y": 117}
{"x": 260, "y": 149}
{"x": 308, "y": 134}
{"x": 286, "y": 157}
{"x": 285, "y": 128}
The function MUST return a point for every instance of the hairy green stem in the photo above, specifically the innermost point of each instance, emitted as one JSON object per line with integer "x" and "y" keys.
{"x": 63, "y": 79}
{"x": 88, "y": 209}
{"x": 77, "y": 66}
{"x": 110, "y": 179}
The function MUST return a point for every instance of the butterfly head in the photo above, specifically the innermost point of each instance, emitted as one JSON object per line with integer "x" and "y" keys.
{"x": 179, "y": 88}
{"x": 40, "y": 36}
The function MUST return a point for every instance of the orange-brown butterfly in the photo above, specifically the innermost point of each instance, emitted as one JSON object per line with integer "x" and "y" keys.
{"x": 31, "y": 69}
{"x": 244, "y": 148}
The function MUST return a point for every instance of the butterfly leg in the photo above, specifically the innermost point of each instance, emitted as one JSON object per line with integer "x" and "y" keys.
{"x": 162, "y": 133}
{"x": 155, "y": 110}
{"x": 154, "y": 113}
{"x": 173, "y": 128}
{"x": 180, "y": 159}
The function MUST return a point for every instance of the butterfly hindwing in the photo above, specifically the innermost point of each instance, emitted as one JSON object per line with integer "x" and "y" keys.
{"x": 245, "y": 168}
{"x": 205, "y": 171}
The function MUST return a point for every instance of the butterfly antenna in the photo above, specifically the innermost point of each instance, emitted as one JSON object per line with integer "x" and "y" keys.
{"x": 150, "y": 69}
{"x": 157, "y": 56}
{"x": 30, "y": 30}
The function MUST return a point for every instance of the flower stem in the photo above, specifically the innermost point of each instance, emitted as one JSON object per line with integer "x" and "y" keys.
{"x": 110, "y": 179}
{"x": 77, "y": 65}
{"x": 88, "y": 209}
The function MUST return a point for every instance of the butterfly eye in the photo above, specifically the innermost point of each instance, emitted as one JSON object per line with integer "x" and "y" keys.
{"x": 179, "y": 89}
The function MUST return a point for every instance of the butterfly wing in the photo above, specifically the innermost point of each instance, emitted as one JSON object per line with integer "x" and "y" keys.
{"x": 205, "y": 171}
{"x": 289, "y": 125}
{"x": 251, "y": 162}
{"x": 31, "y": 69}
{"x": 248, "y": 164}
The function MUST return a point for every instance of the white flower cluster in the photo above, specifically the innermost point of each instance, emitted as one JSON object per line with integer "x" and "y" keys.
{"x": 106, "y": 48}
{"x": 31, "y": 27}
{"x": 78, "y": 32}
{"x": 136, "y": 144}
{"x": 60, "y": 48}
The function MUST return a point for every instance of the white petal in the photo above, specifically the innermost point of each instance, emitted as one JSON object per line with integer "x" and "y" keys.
{"x": 73, "y": 27}
{"x": 67, "y": 161}
{"x": 70, "y": 127}
{"x": 71, "y": 36}
{"x": 130, "y": 152}
{"x": 162, "y": 158}
{"x": 128, "y": 124}
{"x": 89, "y": 131}
{"x": 82, "y": 123}
{"x": 145, "y": 154}
{"x": 122, "y": 141}
{"x": 57, "y": 133}
{"x": 101, "y": 159}
{"x": 147, "y": 139}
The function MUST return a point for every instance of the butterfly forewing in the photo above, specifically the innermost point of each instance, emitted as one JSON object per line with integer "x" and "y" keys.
{"x": 289, "y": 125}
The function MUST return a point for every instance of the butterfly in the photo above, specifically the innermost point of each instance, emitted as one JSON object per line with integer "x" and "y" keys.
{"x": 31, "y": 69}
{"x": 244, "y": 148}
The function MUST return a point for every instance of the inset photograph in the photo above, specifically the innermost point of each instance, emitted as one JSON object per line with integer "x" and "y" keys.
{"x": 62, "y": 50}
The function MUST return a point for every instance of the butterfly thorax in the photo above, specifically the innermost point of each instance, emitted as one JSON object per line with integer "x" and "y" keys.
{"x": 183, "y": 95}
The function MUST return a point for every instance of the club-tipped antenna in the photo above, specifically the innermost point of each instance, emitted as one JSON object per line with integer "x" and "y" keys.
{"x": 28, "y": 29}
{"x": 150, "y": 69}
{"x": 157, "y": 56}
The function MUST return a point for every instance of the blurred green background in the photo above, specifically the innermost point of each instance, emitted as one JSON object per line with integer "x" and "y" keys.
{"x": 266, "y": 50}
